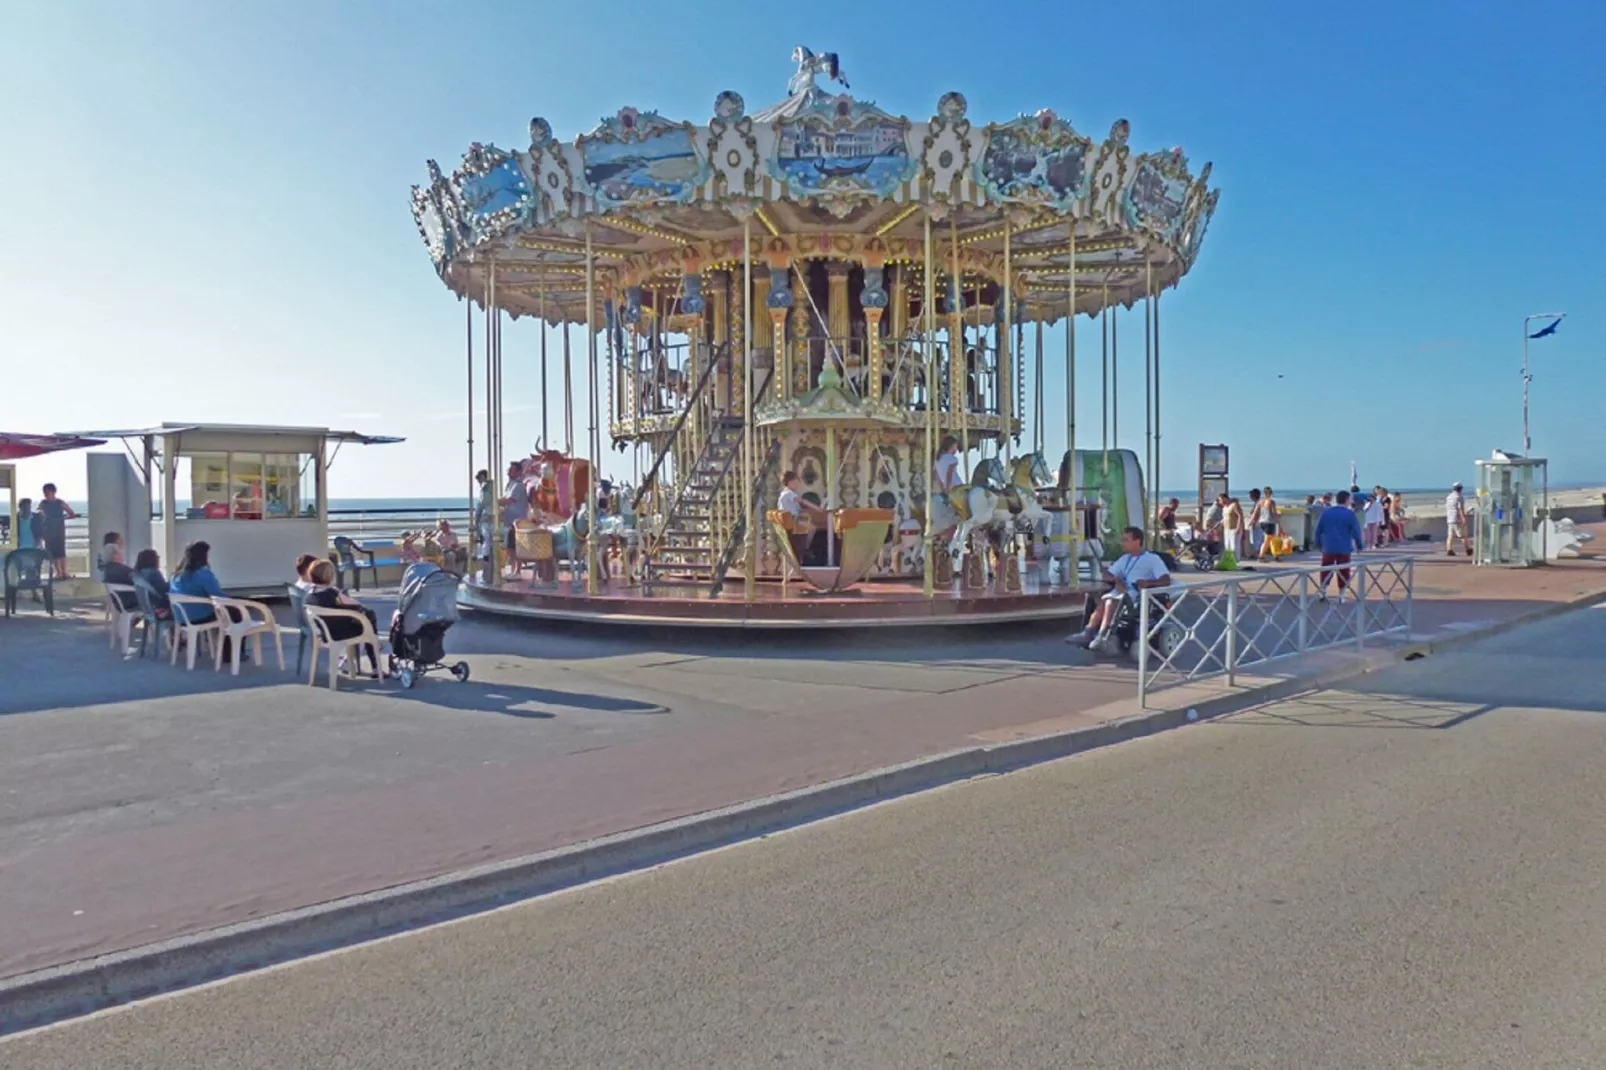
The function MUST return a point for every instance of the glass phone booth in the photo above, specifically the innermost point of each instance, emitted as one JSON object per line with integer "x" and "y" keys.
{"x": 1513, "y": 496}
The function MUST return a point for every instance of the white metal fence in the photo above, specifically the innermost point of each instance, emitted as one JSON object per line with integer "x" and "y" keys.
{"x": 1220, "y": 625}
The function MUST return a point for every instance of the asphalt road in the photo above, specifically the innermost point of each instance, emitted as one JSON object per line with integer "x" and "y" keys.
{"x": 1408, "y": 875}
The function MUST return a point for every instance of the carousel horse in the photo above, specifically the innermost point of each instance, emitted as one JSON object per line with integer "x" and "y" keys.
{"x": 982, "y": 506}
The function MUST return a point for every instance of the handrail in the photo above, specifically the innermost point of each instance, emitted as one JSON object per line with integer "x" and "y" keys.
{"x": 680, "y": 421}
{"x": 772, "y": 458}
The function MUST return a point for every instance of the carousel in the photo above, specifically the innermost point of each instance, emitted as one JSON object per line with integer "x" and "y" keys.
{"x": 807, "y": 347}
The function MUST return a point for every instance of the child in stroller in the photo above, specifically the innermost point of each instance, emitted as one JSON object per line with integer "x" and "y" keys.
{"x": 424, "y": 613}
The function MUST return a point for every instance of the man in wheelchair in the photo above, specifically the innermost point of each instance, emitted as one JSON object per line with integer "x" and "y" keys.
{"x": 1117, "y": 611}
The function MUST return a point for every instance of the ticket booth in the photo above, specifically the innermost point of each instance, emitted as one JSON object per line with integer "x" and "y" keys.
{"x": 258, "y": 496}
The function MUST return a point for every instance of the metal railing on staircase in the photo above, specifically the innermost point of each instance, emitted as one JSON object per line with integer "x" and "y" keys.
{"x": 738, "y": 530}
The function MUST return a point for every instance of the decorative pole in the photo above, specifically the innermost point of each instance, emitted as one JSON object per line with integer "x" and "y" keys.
{"x": 1148, "y": 397}
{"x": 958, "y": 363}
{"x": 928, "y": 313}
{"x": 473, "y": 499}
{"x": 1157, "y": 395}
{"x": 750, "y": 582}
{"x": 495, "y": 555}
{"x": 546, "y": 443}
{"x": 1005, "y": 354}
{"x": 596, "y": 458}
{"x": 568, "y": 394}
{"x": 1070, "y": 414}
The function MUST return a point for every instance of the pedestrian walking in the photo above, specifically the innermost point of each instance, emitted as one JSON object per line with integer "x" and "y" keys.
{"x": 1339, "y": 535}
{"x": 1455, "y": 518}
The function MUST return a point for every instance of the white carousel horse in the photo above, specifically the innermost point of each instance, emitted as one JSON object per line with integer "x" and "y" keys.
{"x": 982, "y": 506}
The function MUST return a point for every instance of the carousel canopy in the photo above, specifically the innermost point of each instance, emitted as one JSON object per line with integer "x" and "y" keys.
{"x": 820, "y": 175}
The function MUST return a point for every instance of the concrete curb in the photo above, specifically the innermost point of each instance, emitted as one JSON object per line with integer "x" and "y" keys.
{"x": 50, "y": 995}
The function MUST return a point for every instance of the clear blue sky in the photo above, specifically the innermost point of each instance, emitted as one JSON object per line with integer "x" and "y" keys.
{"x": 206, "y": 211}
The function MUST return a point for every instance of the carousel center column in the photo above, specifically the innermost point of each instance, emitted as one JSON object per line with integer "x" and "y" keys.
{"x": 839, "y": 324}
{"x": 875, "y": 301}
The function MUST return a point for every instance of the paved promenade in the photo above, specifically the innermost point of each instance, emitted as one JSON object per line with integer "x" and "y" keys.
{"x": 1404, "y": 872}
{"x": 139, "y": 802}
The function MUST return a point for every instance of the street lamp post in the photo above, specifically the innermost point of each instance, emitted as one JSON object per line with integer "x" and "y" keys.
{"x": 1527, "y": 441}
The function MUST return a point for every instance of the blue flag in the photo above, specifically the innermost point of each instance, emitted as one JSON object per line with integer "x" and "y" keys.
{"x": 1545, "y": 332}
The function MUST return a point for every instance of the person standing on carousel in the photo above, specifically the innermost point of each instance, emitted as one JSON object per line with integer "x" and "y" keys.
{"x": 515, "y": 507}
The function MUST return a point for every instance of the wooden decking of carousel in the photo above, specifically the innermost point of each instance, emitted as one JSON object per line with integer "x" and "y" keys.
{"x": 872, "y": 603}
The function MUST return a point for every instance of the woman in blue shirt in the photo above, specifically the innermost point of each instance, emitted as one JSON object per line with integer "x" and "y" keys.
{"x": 194, "y": 577}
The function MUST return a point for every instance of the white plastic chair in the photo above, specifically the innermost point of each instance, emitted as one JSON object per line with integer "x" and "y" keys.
{"x": 120, "y": 621}
{"x": 256, "y": 620}
{"x": 185, "y": 609}
{"x": 318, "y": 618}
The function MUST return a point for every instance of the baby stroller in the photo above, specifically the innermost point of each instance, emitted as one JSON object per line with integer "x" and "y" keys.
{"x": 1192, "y": 547}
{"x": 425, "y": 611}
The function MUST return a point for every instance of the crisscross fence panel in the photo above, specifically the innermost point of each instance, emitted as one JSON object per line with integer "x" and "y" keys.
{"x": 1221, "y": 625}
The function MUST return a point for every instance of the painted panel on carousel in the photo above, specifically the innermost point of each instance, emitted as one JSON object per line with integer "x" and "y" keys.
{"x": 550, "y": 172}
{"x": 642, "y": 158}
{"x": 840, "y": 147}
{"x": 1196, "y": 219}
{"x": 492, "y": 190}
{"x": 732, "y": 148}
{"x": 946, "y": 151}
{"x": 1158, "y": 193}
{"x": 1038, "y": 159}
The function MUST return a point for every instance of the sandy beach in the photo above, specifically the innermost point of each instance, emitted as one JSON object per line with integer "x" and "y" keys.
{"x": 1424, "y": 505}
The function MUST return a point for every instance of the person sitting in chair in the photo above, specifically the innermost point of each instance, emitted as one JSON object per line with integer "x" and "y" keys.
{"x": 1137, "y": 568}
{"x": 325, "y": 595}
{"x": 810, "y": 549}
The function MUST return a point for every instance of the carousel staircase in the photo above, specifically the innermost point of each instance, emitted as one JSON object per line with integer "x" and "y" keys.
{"x": 685, "y": 552}
{"x": 738, "y": 535}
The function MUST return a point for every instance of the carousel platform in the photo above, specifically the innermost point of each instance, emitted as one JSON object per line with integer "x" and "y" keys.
{"x": 876, "y": 604}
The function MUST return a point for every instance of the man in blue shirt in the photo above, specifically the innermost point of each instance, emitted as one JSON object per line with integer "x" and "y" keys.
{"x": 1338, "y": 535}
{"x": 1127, "y": 576}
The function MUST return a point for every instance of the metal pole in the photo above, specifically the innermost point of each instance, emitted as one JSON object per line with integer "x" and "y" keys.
{"x": 495, "y": 549}
{"x": 1157, "y": 435}
{"x": 1527, "y": 441}
{"x": 546, "y": 442}
{"x": 595, "y": 451}
{"x": 1070, "y": 413}
{"x": 1148, "y": 400}
{"x": 568, "y": 397}
{"x": 473, "y": 521}
{"x": 1037, "y": 389}
{"x": 1360, "y": 607}
{"x": 750, "y": 583}
{"x": 1104, "y": 374}
{"x": 1304, "y": 611}
{"x": 1143, "y": 649}
{"x": 927, "y": 313}
{"x": 1003, "y": 388}
{"x": 1115, "y": 377}
{"x": 1232, "y": 633}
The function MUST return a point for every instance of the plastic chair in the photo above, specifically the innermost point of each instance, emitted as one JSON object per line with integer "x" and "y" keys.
{"x": 255, "y": 621}
{"x": 119, "y": 618}
{"x": 318, "y": 619}
{"x": 151, "y": 618}
{"x": 298, "y": 609}
{"x": 353, "y": 558}
{"x": 189, "y": 630}
{"x": 29, "y": 569}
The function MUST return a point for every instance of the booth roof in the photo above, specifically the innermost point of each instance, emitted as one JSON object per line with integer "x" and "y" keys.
{"x": 14, "y": 445}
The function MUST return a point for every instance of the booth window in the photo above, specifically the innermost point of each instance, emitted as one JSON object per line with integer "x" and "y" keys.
{"x": 209, "y": 485}
{"x": 281, "y": 486}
